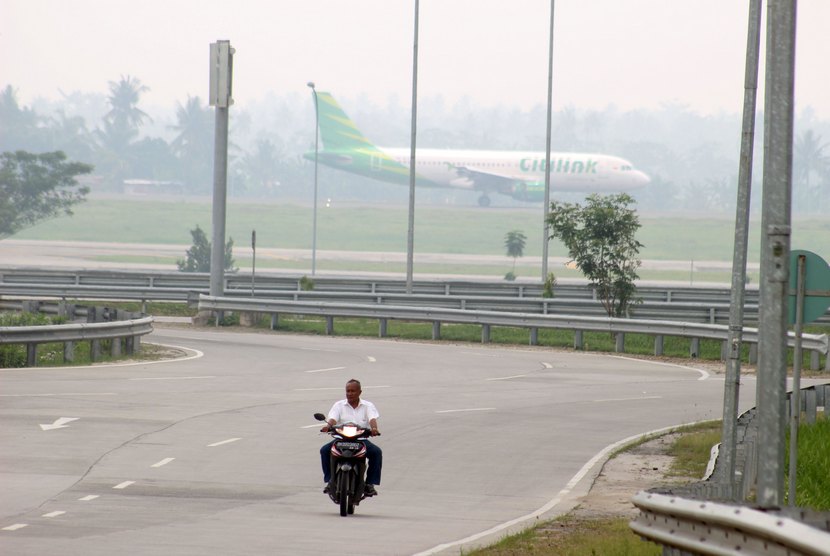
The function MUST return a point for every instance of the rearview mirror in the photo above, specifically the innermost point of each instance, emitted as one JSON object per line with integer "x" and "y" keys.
{"x": 319, "y": 416}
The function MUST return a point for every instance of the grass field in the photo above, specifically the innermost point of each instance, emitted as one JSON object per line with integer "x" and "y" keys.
{"x": 459, "y": 230}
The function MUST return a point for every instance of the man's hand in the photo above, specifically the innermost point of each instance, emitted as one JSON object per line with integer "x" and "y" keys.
{"x": 375, "y": 432}
{"x": 325, "y": 428}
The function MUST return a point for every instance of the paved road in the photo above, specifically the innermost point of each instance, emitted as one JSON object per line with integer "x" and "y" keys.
{"x": 218, "y": 453}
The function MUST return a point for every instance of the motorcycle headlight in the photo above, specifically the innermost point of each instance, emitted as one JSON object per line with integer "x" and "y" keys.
{"x": 349, "y": 431}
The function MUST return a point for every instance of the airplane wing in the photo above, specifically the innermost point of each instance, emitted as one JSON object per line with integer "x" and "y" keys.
{"x": 488, "y": 181}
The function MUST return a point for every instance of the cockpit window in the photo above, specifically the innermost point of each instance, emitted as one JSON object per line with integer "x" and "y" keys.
{"x": 625, "y": 168}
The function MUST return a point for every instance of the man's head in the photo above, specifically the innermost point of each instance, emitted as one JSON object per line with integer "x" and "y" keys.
{"x": 353, "y": 391}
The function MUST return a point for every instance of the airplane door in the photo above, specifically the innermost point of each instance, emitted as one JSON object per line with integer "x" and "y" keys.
{"x": 375, "y": 163}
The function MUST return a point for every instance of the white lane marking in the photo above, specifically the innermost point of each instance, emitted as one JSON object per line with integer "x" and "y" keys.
{"x": 125, "y": 484}
{"x": 704, "y": 374}
{"x": 53, "y": 395}
{"x": 172, "y": 377}
{"x": 15, "y": 527}
{"x": 325, "y": 370}
{"x": 60, "y": 423}
{"x": 505, "y": 377}
{"x": 336, "y": 388}
{"x": 54, "y": 514}
{"x": 481, "y": 354}
{"x": 629, "y": 399}
{"x": 547, "y": 365}
{"x": 604, "y": 453}
{"x": 371, "y": 359}
{"x": 221, "y": 442}
{"x": 318, "y": 425}
{"x": 163, "y": 462}
{"x": 88, "y": 497}
{"x": 320, "y": 349}
{"x": 471, "y": 409}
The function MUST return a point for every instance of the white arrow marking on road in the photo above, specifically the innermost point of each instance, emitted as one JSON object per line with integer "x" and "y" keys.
{"x": 59, "y": 423}
{"x": 165, "y": 461}
{"x": 15, "y": 527}
{"x": 53, "y": 514}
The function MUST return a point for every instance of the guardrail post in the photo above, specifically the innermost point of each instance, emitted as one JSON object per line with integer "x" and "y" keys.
{"x": 115, "y": 347}
{"x": 694, "y": 349}
{"x": 620, "y": 342}
{"x": 129, "y": 345}
{"x": 724, "y": 350}
{"x": 658, "y": 344}
{"x": 329, "y": 326}
{"x": 382, "y": 325}
{"x": 68, "y": 352}
{"x": 94, "y": 350}
{"x": 275, "y": 318}
{"x": 436, "y": 330}
{"x": 31, "y": 355}
{"x": 485, "y": 333}
{"x": 811, "y": 406}
{"x": 579, "y": 339}
{"x": 534, "y": 336}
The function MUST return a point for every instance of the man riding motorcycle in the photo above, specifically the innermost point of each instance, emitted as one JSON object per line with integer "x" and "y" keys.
{"x": 364, "y": 414}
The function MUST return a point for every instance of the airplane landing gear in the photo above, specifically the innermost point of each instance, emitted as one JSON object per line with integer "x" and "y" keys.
{"x": 484, "y": 201}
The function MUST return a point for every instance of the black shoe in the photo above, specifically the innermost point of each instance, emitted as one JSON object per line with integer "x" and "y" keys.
{"x": 327, "y": 489}
{"x": 369, "y": 490}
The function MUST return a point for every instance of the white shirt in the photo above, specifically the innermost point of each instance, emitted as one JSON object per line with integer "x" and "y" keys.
{"x": 342, "y": 412}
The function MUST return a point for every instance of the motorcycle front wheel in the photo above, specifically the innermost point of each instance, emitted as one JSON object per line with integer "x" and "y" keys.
{"x": 343, "y": 491}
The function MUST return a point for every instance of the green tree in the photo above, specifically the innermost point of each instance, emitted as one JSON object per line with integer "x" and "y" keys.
{"x": 198, "y": 256}
{"x": 600, "y": 239}
{"x": 514, "y": 242}
{"x": 35, "y": 187}
{"x": 193, "y": 144}
{"x": 116, "y": 158}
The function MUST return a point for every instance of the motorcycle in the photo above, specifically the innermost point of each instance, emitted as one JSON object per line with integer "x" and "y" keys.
{"x": 348, "y": 465}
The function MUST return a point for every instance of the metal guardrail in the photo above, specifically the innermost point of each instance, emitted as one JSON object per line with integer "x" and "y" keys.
{"x": 816, "y": 343}
{"x": 119, "y": 326}
{"x": 684, "y": 303}
{"x": 703, "y": 518}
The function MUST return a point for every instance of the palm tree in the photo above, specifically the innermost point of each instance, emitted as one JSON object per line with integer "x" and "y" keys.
{"x": 808, "y": 160}
{"x": 194, "y": 143}
{"x": 515, "y": 241}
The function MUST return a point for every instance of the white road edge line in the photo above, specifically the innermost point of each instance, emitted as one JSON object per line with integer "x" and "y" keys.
{"x": 559, "y": 497}
{"x": 505, "y": 377}
{"x": 54, "y": 514}
{"x": 704, "y": 374}
{"x": 88, "y": 497}
{"x": 172, "y": 377}
{"x": 15, "y": 527}
{"x": 163, "y": 462}
{"x": 53, "y": 395}
{"x": 196, "y": 354}
{"x": 471, "y": 409}
{"x": 221, "y": 442}
{"x": 629, "y": 399}
{"x": 125, "y": 484}
{"x": 324, "y": 370}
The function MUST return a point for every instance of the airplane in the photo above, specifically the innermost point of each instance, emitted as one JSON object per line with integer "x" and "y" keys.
{"x": 517, "y": 174}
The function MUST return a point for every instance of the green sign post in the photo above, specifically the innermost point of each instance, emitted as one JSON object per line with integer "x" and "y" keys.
{"x": 808, "y": 299}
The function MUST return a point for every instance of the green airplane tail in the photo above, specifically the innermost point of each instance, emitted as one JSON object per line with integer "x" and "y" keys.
{"x": 346, "y": 148}
{"x": 338, "y": 132}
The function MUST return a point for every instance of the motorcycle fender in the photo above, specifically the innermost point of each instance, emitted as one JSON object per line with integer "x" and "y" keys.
{"x": 345, "y": 467}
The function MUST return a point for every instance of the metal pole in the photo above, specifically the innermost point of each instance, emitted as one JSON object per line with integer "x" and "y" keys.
{"x": 253, "y": 266}
{"x": 220, "y": 179}
{"x": 736, "y": 305}
{"x": 546, "y": 208}
{"x": 801, "y": 278}
{"x": 410, "y": 235}
{"x": 775, "y": 250}
{"x": 314, "y": 209}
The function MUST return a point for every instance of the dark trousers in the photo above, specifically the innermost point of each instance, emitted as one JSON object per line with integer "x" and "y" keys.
{"x": 374, "y": 455}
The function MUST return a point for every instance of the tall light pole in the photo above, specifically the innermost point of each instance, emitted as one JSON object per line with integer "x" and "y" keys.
{"x": 546, "y": 207}
{"x": 314, "y": 211}
{"x": 410, "y": 235}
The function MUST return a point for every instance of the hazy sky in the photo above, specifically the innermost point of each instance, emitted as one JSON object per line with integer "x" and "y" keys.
{"x": 630, "y": 53}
